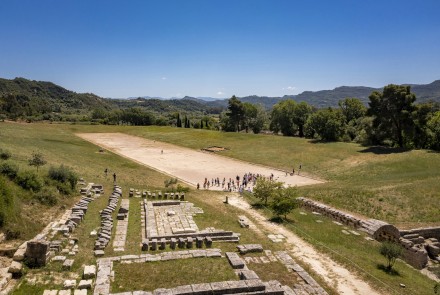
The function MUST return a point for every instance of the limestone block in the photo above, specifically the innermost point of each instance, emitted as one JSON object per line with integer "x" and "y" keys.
{"x": 65, "y": 292}
{"x": 80, "y": 292}
{"x": 67, "y": 265}
{"x": 99, "y": 253}
{"x": 50, "y": 292}
{"x": 201, "y": 289}
{"x": 16, "y": 268}
{"x": 89, "y": 272}
{"x": 85, "y": 284}
{"x": 189, "y": 243}
{"x": 69, "y": 284}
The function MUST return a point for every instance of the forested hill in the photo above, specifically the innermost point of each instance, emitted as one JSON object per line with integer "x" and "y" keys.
{"x": 21, "y": 98}
{"x": 36, "y": 97}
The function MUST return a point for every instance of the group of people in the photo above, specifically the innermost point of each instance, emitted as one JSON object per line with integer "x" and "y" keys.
{"x": 237, "y": 184}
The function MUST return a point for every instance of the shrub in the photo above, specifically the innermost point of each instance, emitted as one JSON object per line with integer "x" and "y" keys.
{"x": 9, "y": 169}
{"x": 4, "y": 154}
{"x": 29, "y": 181}
{"x": 63, "y": 174}
{"x": 391, "y": 251}
{"x": 47, "y": 196}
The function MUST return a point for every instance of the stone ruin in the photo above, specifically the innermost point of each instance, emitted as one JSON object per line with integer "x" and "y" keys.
{"x": 419, "y": 244}
{"x": 170, "y": 222}
{"x": 378, "y": 229}
{"x": 105, "y": 231}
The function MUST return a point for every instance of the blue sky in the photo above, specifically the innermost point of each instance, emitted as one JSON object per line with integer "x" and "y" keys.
{"x": 219, "y": 48}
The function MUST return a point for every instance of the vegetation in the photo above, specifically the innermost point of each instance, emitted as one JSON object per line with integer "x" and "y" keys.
{"x": 391, "y": 251}
{"x": 401, "y": 180}
{"x": 37, "y": 160}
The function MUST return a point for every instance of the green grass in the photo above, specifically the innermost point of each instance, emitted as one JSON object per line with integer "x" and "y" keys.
{"x": 170, "y": 274}
{"x": 355, "y": 252}
{"x": 397, "y": 187}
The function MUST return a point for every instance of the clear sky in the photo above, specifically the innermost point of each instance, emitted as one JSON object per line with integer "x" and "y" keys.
{"x": 219, "y": 48}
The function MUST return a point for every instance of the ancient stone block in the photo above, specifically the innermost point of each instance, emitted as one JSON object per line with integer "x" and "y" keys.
{"x": 36, "y": 253}
{"x": 85, "y": 284}
{"x": 69, "y": 284}
{"x": 89, "y": 272}
{"x": 15, "y": 269}
{"x": 201, "y": 289}
{"x": 189, "y": 243}
{"x": 173, "y": 242}
{"x": 67, "y": 265}
{"x": 154, "y": 244}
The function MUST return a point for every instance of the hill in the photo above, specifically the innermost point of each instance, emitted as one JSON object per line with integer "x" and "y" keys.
{"x": 30, "y": 98}
{"x": 21, "y": 97}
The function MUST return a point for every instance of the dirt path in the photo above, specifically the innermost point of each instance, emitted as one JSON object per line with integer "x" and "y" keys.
{"x": 332, "y": 272}
{"x": 186, "y": 164}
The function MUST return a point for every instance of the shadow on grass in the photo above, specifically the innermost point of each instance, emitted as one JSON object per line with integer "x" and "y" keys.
{"x": 276, "y": 219}
{"x": 386, "y": 270}
{"x": 383, "y": 150}
{"x": 257, "y": 206}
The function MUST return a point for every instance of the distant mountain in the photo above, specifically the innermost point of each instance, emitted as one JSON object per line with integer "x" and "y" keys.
{"x": 33, "y": 98}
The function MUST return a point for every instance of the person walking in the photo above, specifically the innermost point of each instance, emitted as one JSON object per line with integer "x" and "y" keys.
{"x": 114, "y": 177}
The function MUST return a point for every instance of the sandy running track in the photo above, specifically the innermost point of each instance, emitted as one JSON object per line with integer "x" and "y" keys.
{"x": 186, "y": 164}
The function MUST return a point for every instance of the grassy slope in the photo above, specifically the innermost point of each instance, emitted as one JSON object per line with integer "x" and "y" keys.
{"x": 336, "y": 162}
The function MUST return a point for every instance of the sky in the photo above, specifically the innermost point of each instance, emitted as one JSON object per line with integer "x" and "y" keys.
{"x": 219, "y": 48}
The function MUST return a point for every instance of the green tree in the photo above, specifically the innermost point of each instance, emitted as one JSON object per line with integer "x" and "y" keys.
{"x": 352, "y": 109}
{"x": 179, "y": 121}
{"x": 236, "y": 112}
{"x": 265, "y": 189}
{"x": 391, "y": 251}
{"x": 285, "y": 201}
{"x": 282, "y": 118}
{"x": 254, "y": 117}
{"x": 392, "y": 111}
{"x": 301, "y": 113}
{"x": 433, "y": 126}
{"x": 37, "y": 160}
{"x": 328, "y": 124}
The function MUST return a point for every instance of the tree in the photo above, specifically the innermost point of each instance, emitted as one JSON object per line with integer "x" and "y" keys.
{"x": 301, "y": 113}
{"x": 352, "y": 109}
{"x": 391, "y": 251}
{"x": 37, "y": 160}
{"x": 235, "y": 112}
{"x": 179, "y": 121}
{"x": 433, "y": 126}
{"x": 282, "y": 118}
{"x": 254, "y": 117}
{"x": 328, "y": 124}
{"x": 285, "y": 201}
{"x": 265, "y": 189}
{"x": 392, "y": 111}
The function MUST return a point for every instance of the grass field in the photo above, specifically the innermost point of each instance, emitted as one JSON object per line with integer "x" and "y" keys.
{"x": 400, "y": 187}
{"x": 397, "y": 186}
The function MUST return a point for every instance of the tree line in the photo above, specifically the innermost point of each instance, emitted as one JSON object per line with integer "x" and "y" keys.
{"x": 392, "y": 119}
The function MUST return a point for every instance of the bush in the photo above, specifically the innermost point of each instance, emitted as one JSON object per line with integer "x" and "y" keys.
{"x": 8, "y": 169}
{"x": 63, "y": 175}
{"x": 29, "y": 181}
{"x": 4, "y": 154}
{"x": 47, "y": 196}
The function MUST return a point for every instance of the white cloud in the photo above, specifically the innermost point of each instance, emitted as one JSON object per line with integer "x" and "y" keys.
{"x": 164, "y": 78}
{"x": 289, "y": 88}
{"x": 220, "y": 93}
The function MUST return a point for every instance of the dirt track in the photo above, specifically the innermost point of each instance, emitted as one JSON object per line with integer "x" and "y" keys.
{"x": 186, "y": 164}
{"x": 193, "y": 166}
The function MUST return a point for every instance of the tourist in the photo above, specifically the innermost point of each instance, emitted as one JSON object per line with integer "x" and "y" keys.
{"x": 114, "y": 177}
